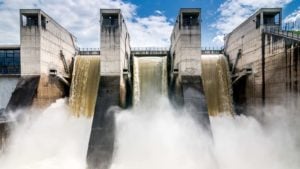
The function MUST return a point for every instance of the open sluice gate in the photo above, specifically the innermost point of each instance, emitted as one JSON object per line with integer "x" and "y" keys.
{"x": 217, "y": 84}
{"x": 84, "y": 86}
{"x": 150, "y": 79}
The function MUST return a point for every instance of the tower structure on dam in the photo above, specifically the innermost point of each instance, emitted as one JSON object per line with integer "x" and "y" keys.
{"x": 113, "y": 86}
{"x": 46, "y": 48}
{"x": 185, "y": 48}
{"x": 264, "y": 60}
{"x": 185, "y": 59}
{"x": 115, "y": 50}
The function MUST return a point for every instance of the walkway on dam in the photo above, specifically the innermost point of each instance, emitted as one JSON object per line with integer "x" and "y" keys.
{"x": 284, "y": 34}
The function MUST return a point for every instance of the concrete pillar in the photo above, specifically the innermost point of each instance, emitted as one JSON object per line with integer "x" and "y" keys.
{"x": 261, "y": 21}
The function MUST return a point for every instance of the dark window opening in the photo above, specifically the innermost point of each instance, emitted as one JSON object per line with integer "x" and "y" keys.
{"x": 272, "y": 19}
{"x": 10, "y": 61}
{"x": 30, "y": 20}
{"x": 43, "y": 22}
{"x": 257, "y": 21}
{"x": 110, "y": 20}
{"x": 190, "y": 19}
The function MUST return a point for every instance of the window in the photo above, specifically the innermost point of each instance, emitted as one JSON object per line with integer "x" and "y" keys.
{"x": 30, "y": 20}
{"x": 110, "y": 20}
{"x": 43, "y": 22}
{"x": 190, "y": 19}
{"x": 257, "y": 21}
{"x": 10, "y": 61}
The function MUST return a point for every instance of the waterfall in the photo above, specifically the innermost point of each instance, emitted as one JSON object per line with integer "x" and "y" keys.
{"x": 84, "y": 86}
{"x": 216, "y": 84}
{"x": 149, "y": 79}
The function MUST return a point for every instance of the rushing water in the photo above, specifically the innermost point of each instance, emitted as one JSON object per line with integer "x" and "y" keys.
{"x": 153, "y": 135}
{"x": 84, "y": 86}
{"x": 150, "y": 78}
{"x": 163, "y": 138}
{"x": 158, "y": 137}
{"x": 216, "y": 84}
{"x": 53, "y": 139}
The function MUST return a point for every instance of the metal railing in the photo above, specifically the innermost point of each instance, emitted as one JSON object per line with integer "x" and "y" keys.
{"x": 89, "y": 51}
{"x": 282, "y": 33}
{"x": 149, "y": 49}
{"x": 212, "y": 50}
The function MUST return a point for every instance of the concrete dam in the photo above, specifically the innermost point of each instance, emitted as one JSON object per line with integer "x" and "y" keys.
{"x": 121, "y": 90}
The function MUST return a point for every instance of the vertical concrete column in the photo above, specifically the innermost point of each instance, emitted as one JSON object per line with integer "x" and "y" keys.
{"x": 39, "y": 20}
{"x": 261, "y": 21}
{"x": 187, "y": 90}
{"x": 112, "y": 87}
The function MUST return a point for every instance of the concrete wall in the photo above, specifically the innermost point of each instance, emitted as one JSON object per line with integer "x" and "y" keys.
{"x": 247, "y": 38}
{"x": 7, "y": 86}
{"x": 115, "y": 44}
{"x": 115, "y": 47}
{"x": 186, "y": 44}
{"x": 274, "y": 62}
{"x": 110, "y": 44}
{"x": 55, "y": 40}
{"x": 30, "y": 50}
{"x": 45, "y": 45}
{"x": 41, "y": 47}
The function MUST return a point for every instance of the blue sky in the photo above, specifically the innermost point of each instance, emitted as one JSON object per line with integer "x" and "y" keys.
{"x": 150, "y": 22}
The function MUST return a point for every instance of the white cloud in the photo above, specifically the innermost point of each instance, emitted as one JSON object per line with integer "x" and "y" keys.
{"x": 81, "y": 18}
{"x": 218, "y": 40}
{"x": 234, "y": 12}
{"x": 154, "y": 30}
{"x": 293, "y": 17}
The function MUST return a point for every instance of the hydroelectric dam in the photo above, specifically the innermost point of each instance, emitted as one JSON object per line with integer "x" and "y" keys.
{"x": 258, "y": 66}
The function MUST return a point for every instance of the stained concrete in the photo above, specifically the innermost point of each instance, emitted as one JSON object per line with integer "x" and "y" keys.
{"x": 185, "y": 48}
{"x": 45, "y": 46}
{"x": 7, "y": 86}
{"x": 23, "y": 95}
{"x": 274, "y": 62}
{"x": 102, "y": 138}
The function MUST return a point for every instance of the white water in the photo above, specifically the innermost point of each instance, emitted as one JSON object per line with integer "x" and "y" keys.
{"x": 53, "y": 139}
{"x": 158, "y": 137}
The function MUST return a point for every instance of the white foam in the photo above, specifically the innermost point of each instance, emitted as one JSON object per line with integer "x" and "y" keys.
{"x": 52, "y": 139}
{"x": 160, "y": 138}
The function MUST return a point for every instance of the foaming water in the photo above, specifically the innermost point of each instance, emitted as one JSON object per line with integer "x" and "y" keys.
{"x": 53, "y": 139}
{"x": 158, "y": 137}
{"x": 163, "y": 138}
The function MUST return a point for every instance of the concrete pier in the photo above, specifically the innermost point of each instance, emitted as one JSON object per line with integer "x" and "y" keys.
{"x": 45, "y": 47}
{"x": 185, "y": 58}
{"x": 113, "y": 86}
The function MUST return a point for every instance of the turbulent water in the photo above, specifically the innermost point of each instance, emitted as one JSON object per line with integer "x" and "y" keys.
{"x": 150, "y": 78}
{"x": 217, "y": 84}
{"x": 158, "y": 137}
{"x": 53, "y": 139}
{"x": 153, "y": 135}
{"x": 84, "y": 87}
{"x": 163, "y": 138}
